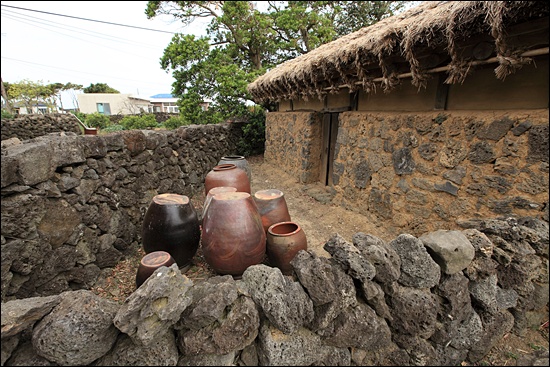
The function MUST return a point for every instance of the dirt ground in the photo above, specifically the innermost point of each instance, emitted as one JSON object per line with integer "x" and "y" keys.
{"x": 319, "y": 220}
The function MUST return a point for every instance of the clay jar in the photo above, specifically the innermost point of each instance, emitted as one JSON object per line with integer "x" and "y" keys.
{"x": 227, "y": 175}
{"x": 171, "y": 224}
{"x": 233, "y": 237}
{"x": 272, "y": 207}
{"x": 284, "y": 240}
{"x": 239, "y": 161}
{"x": 213, "y": 191}
{"x": 151, "y": 262}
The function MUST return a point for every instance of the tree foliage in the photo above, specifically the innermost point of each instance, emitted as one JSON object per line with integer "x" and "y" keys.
{"x": 243, "y": 42}
{"x": 99, "y": 88}
{"x": 31, "y": 93}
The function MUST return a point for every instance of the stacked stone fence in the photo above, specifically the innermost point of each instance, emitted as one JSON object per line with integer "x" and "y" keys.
{"x": 446, "y": 297}
{"x": 25, "y": 127}
{"x": 72, "y": 206}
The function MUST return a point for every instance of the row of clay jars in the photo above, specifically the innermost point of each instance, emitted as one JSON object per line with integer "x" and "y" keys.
{"x": 226, "y": 257}
{"x": 171, "y": 229}
{"x": 232, "y": 234}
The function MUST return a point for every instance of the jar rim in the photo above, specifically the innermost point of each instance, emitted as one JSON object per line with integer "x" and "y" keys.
{"x": 275, "y": 230}
{"x": 170, "y": 199}
{"x": 223, "y": 167}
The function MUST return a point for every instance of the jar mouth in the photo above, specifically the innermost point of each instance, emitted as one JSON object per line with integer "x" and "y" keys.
{"x": 170, "y": 199}
{"x": 223, "y": 167}
{"x": 228, "y": 196}
{"x": 220, "y": 189}
{"x": 268, "y": 194}
{"x": 156, "y": 258}
{"x": 233, "y": 157}
{"x": 284, "y": 228}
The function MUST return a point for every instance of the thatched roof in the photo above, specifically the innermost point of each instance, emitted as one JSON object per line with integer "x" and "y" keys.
{"x": 406, "y": 45}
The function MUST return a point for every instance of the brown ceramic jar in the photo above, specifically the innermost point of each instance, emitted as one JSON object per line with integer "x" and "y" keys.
{"x": 272, "y": 207}
{"x": 239, "y": 161}
{"x": 151, "y": 262}
{"x": 227, "y": 175}
{"x": 284, "y": 240}
{"x": 213, "y": 191}
{"x": 233, "y": 237}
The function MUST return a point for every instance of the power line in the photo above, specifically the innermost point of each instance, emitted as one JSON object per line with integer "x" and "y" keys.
{"x": 78, "y": 38}
{"x": 28, "y": 19}
{"x": 90, "y": 20}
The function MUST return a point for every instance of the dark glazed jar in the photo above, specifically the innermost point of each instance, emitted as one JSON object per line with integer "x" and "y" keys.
{"x": 171, "y": 224}
{"x": 227, "y": 175}
{"x": 284, "y": 240}
{"x": 239, "y": 161}
{"x": 151, "y": 262}
{"x": 233, "y": 237}
{"x": 272, "y": 207}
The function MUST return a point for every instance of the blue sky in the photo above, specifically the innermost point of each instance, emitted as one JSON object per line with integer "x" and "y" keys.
{"x": 50, "y": 48}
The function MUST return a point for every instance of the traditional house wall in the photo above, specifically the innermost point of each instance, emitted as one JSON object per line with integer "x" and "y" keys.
{"x": 425, "y": 159}
{"x": 424, "y": 170}
{"x": 293, "y": 142}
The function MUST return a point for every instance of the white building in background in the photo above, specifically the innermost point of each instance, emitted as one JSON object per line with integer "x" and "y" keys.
{"x": 164, "y": 103}
{"x": 169, "y": 104}
{"x": 113, "y": 103}
{"x": 128, "y": 104}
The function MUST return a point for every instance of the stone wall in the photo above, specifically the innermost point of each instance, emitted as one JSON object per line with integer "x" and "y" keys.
{"x": 293, "y": 142}
{"x": 26, "y": 127}
{"x": 441, "y": 299}
{"x": 419, "y": 172}
{"x": 72, "y": 205}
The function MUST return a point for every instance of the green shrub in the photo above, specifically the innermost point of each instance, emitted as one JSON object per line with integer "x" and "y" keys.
{"x": 97, "y": 120}
{"x": 174, "y": 122}
{"x": 6, "y": 114}
{"x": 252, "y": 141}
{"x": 141, "y": 122}
{"x": 80, "y": 115}
{"x": 112, "y": 128}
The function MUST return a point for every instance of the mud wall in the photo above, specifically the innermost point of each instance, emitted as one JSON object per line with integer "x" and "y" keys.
{"x": 423, "y": 171}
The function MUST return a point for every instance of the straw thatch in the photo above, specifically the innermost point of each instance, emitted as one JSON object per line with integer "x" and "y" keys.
{"x": 379, "y": 53}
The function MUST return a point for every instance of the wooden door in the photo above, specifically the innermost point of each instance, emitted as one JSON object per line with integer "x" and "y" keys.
{"x": 330, "y": 133}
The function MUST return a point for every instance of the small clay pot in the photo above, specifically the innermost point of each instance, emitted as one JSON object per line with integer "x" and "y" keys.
{"x": 151, "y": 262}
{"x": 284, "y": 240}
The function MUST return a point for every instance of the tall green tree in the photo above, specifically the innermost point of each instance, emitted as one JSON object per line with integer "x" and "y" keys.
{"x": 99, "y": 88}
{"x": 243, "y": 43}
{"x": 30, "y": 94}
